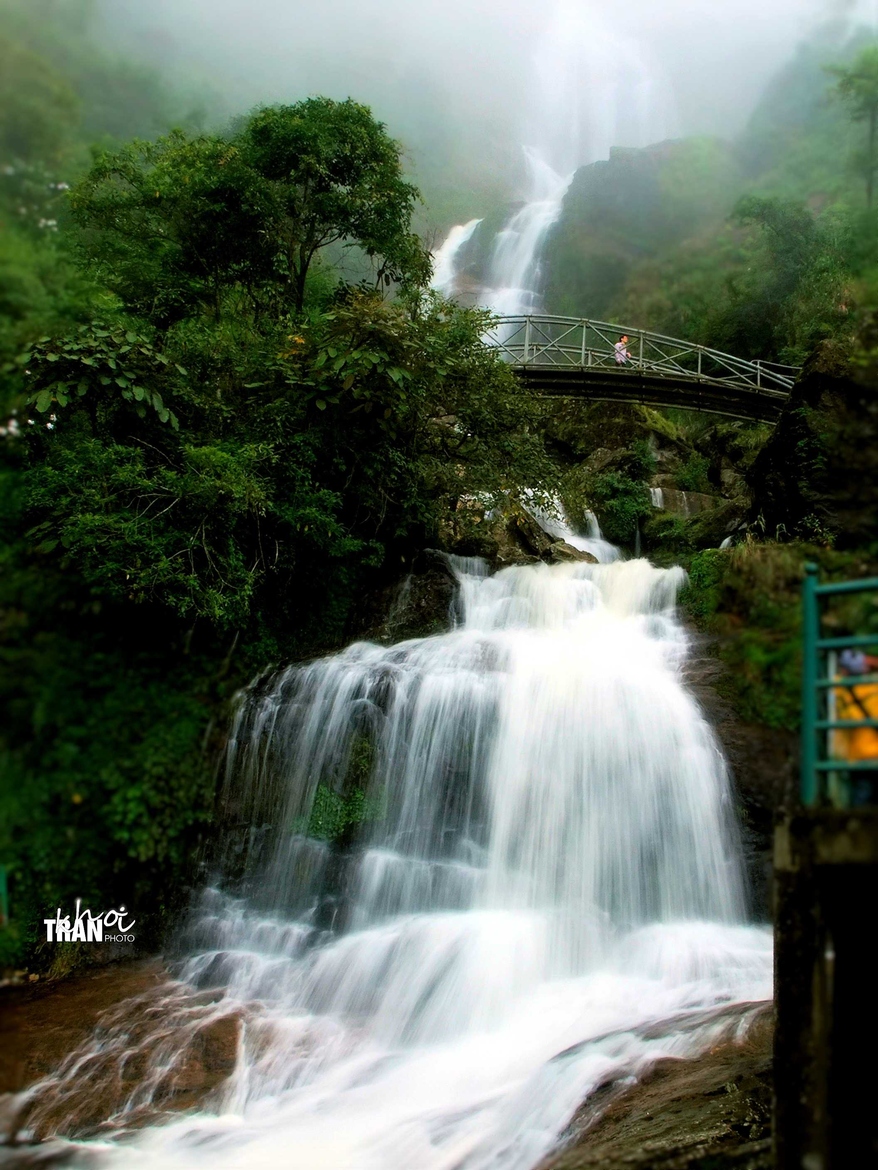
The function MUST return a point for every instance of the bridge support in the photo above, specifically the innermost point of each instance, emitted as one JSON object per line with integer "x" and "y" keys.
{"x": 826, "y": 1040}
{"x": 598, "y": 385}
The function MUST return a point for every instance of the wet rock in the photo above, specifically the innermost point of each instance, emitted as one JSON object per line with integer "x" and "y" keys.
{"x": 512, "y": 536}
{"x": 688, "y": 503}
{"x": 507, "y": 551}
{"x": 207, "y": 1061}
{"x": 157, "y": 1053}
{"x": 710, "y": 1112}
{"x": 529, "y": 534}
{"x": 218, "y": 1044}
{"x": 764, "y": 763}
{"x": 422, "y": 602}
{"x": 524, "y": 541}
{"x": 41, "y": 1023}
{"x": 562, "y": 553}
{"x": 708, "y": 529}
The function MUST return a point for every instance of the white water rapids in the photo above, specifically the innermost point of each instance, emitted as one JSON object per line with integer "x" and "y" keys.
{"x": 547, "y": 896}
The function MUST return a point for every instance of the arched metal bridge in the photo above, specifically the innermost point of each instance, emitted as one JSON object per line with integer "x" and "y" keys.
{"x": 570, "y": 357}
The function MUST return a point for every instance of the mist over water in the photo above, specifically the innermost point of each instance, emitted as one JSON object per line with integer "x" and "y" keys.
{"x": 591, "y": 87}
{"x": 547, "y": 895}
{"x": 596, "y": 84}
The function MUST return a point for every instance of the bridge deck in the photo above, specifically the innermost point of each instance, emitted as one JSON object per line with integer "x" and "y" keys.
{"x": 657, "y": 391}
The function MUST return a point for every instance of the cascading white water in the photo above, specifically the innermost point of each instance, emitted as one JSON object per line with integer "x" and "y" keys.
{"x": 547, "y": 895}
{"x": 513, "y": 271}
{"x": 559, "y": 526}
{"x": 444, "y": 272}
{"x": 594, "y": 87}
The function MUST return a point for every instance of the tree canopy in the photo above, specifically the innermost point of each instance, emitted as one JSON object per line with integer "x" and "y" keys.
{"x": 189, "y": 218}
{"x": 335, "y": 176}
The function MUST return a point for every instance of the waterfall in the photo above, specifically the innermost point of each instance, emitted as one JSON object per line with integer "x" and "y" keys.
{"x": 513, "y": 273}
{"x": 593, "y": 87}
{"x": 559, "y": 526}
{"x": 540, "y": 893}
{"x": 444, "y": 260}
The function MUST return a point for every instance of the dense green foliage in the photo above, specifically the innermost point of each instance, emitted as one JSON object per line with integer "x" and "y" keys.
{"x": 212, "y": 450}
{"x": 170, "y": 222}
{"x": 230, "y": 412}
{"x": 749, "y": 599}
{"x": 618, "y": 496}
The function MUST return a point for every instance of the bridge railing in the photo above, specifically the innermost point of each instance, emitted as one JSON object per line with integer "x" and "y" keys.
{"x": 568, "y": 343}
{"x": 827, "y": 776}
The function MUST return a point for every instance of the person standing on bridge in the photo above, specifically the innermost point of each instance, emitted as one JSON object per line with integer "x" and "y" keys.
{"x": 623, "y": 357}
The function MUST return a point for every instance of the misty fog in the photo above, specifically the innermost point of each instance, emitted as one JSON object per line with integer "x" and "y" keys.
{"x": 456, "y": 81}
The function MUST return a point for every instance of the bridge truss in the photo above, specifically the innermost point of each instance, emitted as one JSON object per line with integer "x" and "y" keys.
{"x": 569, "y": 356}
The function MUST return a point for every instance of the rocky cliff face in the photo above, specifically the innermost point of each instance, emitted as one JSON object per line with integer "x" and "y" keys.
{"x": 627, "y": 209}
{"x": 817, "y": 476}
{"x": 616, "y": 214}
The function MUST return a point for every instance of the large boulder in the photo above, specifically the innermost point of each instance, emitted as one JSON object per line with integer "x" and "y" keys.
{"x": 688, "y": 503}
{"x": 522, "y": 539}
{"x": 562, "y": 553}
{"x": 528, "y": 533}
{"x": 817, "y": 476}
{"x": 601, "y": 433}
{"x": 422, "y": 602}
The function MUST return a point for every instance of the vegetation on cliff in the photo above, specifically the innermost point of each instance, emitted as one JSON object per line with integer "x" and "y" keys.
{"x": 762, "y": 247}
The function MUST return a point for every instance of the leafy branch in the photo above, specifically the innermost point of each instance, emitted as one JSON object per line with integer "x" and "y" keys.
{"x": 103, "y": 362}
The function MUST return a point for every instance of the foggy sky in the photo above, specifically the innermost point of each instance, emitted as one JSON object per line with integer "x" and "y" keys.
{"x": 451, "y": 77}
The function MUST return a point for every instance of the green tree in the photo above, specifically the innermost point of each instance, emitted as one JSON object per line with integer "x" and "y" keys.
{"x": 219, "y": 449}
{"x": 226, "y": 219}
{"x": 336, "y": 177}
{"x": 857, "y": 88}
{"x": 175, "y": 225}
{"x": 790, "y": 291}
{"x": 149, "y": 570}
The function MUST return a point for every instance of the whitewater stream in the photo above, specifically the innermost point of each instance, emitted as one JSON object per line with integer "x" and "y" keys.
{"x": 545, "y": 894}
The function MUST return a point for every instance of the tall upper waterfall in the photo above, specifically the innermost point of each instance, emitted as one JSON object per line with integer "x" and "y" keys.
{"x": 594, "y": 86}
{"x": 544, "y": 893}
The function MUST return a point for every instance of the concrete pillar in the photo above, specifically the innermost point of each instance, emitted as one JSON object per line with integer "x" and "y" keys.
{"x": 826, "y": 988}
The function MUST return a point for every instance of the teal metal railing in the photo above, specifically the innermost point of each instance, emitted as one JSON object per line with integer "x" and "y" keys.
{"x": 4, "y": 898}
{"x": 819, "y": 682}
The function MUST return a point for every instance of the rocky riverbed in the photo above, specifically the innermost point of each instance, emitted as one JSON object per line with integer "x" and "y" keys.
{"x": 713, "y": 1112}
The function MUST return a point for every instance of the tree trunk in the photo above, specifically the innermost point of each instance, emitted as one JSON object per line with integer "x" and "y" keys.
{"x": 870, "y": 160}
{"x": 301, "y": 276}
